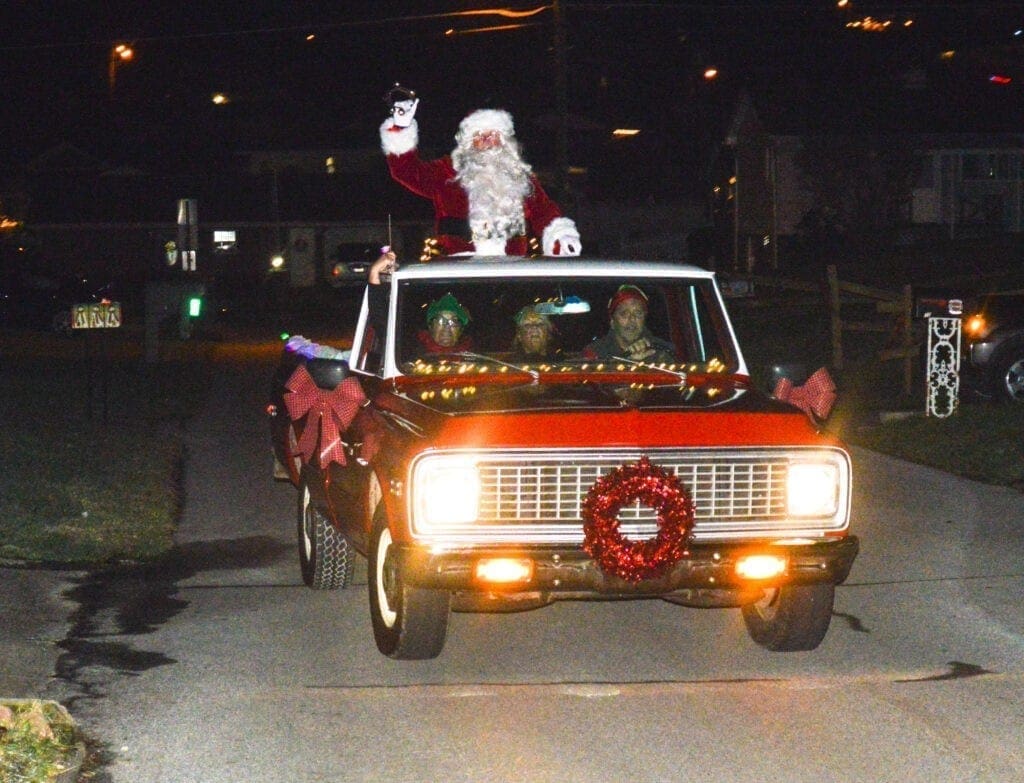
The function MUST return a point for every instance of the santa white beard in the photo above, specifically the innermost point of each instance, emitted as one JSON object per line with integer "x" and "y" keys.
{"x": 496, "y": 181}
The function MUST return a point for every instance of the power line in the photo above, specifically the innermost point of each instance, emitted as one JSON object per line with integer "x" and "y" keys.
{"x": 298, "y": 29}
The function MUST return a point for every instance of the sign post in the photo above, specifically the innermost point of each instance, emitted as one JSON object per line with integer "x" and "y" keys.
{"x": 92, "y": 316}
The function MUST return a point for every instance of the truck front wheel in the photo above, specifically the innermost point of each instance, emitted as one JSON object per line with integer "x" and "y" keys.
{"x": 408, "y": 623}
{"x": 790, "y": 618}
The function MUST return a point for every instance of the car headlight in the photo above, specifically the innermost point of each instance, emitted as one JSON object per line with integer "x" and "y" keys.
{"x": 977, "y": 327}
{"x": 812, "y": 489}
{"x": 446, "y": 491}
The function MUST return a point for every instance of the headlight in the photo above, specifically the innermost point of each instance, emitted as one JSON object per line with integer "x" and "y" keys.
{"x": 446, "y": 491}
{"x": 812, "y": 489}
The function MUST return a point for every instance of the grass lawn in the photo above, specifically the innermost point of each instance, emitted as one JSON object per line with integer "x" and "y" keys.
{"x": 982, "y": 442}
{"x": 92, "y": 450}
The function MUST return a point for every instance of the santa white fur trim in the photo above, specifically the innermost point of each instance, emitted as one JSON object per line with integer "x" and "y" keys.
{"x": 489, "y": 247}
{"x": 485, "y": 120}
{"x": 398, "y": 141}
{"x": 557, "y": 229}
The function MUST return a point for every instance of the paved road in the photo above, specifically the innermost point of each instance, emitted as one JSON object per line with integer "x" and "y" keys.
{"x": 218, "y": 665}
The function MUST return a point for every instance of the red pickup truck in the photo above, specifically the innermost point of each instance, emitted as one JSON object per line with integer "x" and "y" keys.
{"x": 479, "y": 478}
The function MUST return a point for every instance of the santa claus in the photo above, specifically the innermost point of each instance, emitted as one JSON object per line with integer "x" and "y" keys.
{"x": 486, "y": 198}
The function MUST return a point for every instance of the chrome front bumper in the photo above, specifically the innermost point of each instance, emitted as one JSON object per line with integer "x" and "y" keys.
{"x": 570, "y": 570}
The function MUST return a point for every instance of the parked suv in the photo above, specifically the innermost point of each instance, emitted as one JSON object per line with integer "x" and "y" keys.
{"x": 994, "y": 346}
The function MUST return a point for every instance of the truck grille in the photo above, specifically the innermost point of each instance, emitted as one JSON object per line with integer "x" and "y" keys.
{"x": 539, "y": 497}
{"x": 724, "y": 490}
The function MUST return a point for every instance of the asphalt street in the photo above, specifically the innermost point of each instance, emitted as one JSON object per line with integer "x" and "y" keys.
{"x": 216, "y": 664}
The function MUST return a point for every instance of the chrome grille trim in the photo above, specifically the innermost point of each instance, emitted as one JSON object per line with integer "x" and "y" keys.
{"x": 536, "y": 496}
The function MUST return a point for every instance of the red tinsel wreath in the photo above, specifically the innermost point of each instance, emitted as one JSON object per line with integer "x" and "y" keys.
{"x": 637, "y": 560}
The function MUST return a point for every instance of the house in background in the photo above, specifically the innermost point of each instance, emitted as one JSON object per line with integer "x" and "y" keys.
{"x": 970, "y": 184}
{"x": 770, "y": 190}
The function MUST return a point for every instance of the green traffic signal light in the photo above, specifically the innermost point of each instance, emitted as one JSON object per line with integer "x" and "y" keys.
{"x": 195, "y": 306}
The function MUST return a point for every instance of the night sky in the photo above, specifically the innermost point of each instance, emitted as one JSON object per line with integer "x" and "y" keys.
{"x": 627, "y": 63}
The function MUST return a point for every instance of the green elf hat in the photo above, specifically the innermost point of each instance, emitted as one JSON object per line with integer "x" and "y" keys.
{"x": 450, "y": 304}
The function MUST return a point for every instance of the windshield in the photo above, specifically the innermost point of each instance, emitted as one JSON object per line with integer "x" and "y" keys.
{"x": 541, "y": 321}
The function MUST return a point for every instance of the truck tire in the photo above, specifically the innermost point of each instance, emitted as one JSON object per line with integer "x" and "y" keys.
{"x": 1008, "y": 375}
{"x": 409, "y": 623}
{"x": 326, "y": 558}
{"x": 790, "y": 618}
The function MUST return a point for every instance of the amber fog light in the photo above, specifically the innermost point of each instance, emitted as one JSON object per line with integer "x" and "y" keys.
{"x": 504, "y": 570}
{"x": 761, "y": 566}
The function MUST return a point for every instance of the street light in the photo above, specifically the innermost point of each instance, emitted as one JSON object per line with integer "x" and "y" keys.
{"x": 119, "y": 54}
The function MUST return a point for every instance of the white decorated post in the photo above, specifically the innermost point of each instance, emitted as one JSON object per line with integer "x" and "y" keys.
{"x": 943, "y": 374}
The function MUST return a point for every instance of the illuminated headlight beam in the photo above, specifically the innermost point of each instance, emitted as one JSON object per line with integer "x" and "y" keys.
{"x": 812, "y": 489}
{"x": 447, "y": 491}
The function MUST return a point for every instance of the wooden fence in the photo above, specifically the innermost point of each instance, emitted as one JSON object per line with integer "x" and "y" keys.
{"x": 894, "y": 312}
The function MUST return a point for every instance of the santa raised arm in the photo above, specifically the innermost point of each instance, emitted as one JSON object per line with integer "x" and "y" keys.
{"x": 486, "y": 198}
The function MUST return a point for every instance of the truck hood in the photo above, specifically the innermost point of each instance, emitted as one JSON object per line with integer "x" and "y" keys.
{"x": 595, "y": 411}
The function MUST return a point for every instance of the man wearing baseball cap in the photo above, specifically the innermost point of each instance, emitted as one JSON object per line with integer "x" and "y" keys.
{"x": 628, "y": 336}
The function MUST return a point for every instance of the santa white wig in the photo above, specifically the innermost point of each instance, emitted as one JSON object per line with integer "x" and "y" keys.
{"x": 496, "y": 180}
{"x": 485, "y": 120}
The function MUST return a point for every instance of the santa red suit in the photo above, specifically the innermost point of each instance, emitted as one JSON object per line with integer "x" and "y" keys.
{"x": 486, "y": 198}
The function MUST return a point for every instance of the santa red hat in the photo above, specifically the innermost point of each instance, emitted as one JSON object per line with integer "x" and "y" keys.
{"x": 485, "y": 120}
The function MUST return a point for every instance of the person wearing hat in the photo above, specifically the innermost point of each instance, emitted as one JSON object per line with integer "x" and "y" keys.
{"x": 533, "y": 335}
{"x": 446, "y": 321}
{"x": 628, "y": 336}
{"x": 486, "y": 198}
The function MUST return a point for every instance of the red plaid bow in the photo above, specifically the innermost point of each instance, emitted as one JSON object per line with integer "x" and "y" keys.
{"x": 333, "y": 409}
{"x": 816, "y": 396}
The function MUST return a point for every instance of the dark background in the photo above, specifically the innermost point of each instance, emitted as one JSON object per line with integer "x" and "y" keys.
{"x": 636, "y": 64}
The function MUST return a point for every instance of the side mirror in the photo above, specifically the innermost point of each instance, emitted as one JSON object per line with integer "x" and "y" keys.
{"x": 796, "y": 372}
{"x": 327, "y": 373}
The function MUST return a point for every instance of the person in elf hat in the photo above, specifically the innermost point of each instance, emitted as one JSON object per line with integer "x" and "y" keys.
{"x": 486, "y": 198}
{"x": 533, "y": 335}
{"x": 446, "y": 321}
{"x": 628, "y": 336}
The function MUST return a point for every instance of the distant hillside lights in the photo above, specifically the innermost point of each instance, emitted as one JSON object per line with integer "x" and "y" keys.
{"x": 872, "y": 25}
{"x": 7, "y": 223}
